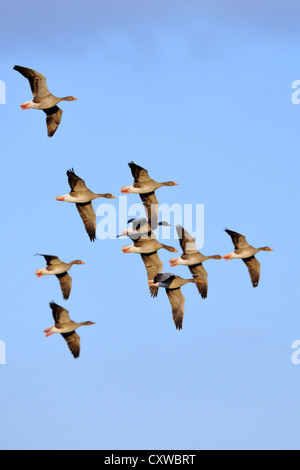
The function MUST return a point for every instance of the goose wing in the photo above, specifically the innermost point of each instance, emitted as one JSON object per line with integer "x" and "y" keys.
{"x": 199, "y": 272}
{"x": 238, "y": 240}
{"x": 187, "y": 242}
{"x": 36, "y": 80}
{"x": 53, "y": 119}
{"x": 177, "y": 301}
{"x": 73, "y": 341}
{"x": 139, "y": 174}
{"x": 51, "y": 260}
{"x": 60, "y": 314}
{"x": 154, "y": 266}
{"x": 65, "y": 281}
{"x": 76, "y": 183}
{"x": 152, "y": 208}
{"x": 88, "y": 215}
{"x": 253, "y": 266}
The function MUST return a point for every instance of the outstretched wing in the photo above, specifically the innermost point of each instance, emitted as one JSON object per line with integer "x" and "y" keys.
{"x": 60, "y": 314}
{"x": 152, "y": 208}
{"x": 187, "y": 242}
{"x": 65, "y": 281}
{"x": 73, "y": 341}
{"x": 36, "y": 80}
{"x": 199, "y": 272}
{"x": 51, "y": 260}
{"x": 53, "y": 119}
{"x": 253, "y": 266}
{"x": 140, "y": 174}
{"x": 177, "y": 302}
{"x": 76, "y": 183}
{"x": 154, "y": 266}
{"x": 88, "y": 216}
{"x": 238, "y": 240}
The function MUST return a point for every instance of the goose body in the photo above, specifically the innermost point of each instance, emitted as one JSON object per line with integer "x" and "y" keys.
{"x": 173, "y": 285}
{"x": 143, "y": 184}
{"x": 66, "y": 327}
{"x": 43, "y": 99}
{"x": 146, "y": 246}
{"x": 56, "y": 267}
{"x": 247, "y": 253}
{"x": 83, "y": 197}
{"x": 146, "y": 187}
{"x": 192, "y": 258}
{"x": 140, "y": 229}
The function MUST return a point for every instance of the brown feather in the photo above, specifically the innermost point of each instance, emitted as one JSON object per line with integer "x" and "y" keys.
{"x": 139, "y": 174}
{"x": 36, "y": 80}
{"x": 73, "y": 341}
{"x": 88, "y": 216}
{"x": 199, "y": 272}
{"x": 177, "y": 301}
{"x": 154, "y": 266}
{"x": 152, "y": 208}
{"x": 65, "y": 281}
{"x": 53, "y": 119}
{"x": 253, "y": 266}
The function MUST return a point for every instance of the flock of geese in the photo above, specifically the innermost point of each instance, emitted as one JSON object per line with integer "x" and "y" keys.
{"x": 141, "y": 232}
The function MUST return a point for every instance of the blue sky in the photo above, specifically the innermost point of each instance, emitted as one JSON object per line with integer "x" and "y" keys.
{"x": 199, "y": 93}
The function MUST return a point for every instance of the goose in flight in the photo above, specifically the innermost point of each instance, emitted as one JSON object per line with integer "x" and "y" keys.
{"x": 43, "y": 99}
{"x": 66, "y": 327}
{"x": 247, "y": 253}
{"x": 173, "y": 285}
{"x": 83, "y": 197}
{"x": 141, "y": 229}
{"x": 148, "y": 248}
{"x": 192, "y": 258}
{"x": 146, "y": 187}
{"x": 56, "y": 267}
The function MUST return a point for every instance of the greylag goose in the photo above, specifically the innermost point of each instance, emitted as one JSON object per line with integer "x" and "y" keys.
{"x": 173, "y": 285}
{"x": 148, "y": 248}
{"x": 140, "y": 229}
{"x": 247, "y": 253}
{"x": 66, "y": 327}
{"x": 43, "y": 99}
{"x": 56, "y": 267}
{"x": 193, "y": 259}
{"x": 83, "y": 197}
{"x": 146, "y": 187}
